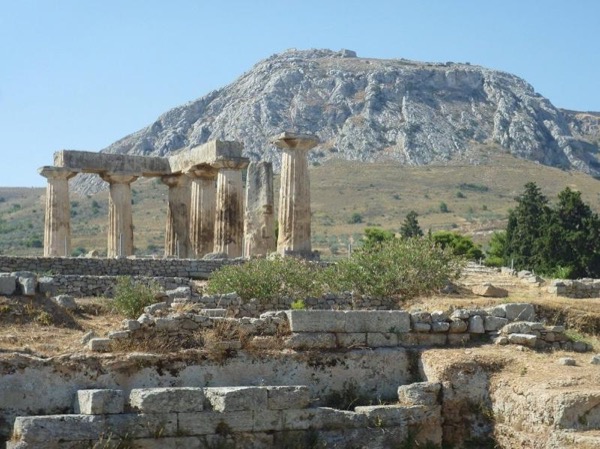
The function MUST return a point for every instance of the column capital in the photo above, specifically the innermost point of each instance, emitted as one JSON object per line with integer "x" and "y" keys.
{"x": 235, "y": 163}
{"x": 51, "y": 172}
{"x": 203, "y": 171}
{"x": 174, "y": 180}
{"x": 119, "y": 178}
{"x": 295, "y": 141}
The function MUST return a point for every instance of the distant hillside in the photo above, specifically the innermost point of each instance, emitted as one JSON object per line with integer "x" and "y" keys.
{"x": 366, "y": 109}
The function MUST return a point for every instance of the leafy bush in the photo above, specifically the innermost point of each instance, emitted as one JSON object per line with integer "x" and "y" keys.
{"x": 355, "y": 218}
{"x": 131, "y": 297}
{"x": 460, "y": 245}
{"x": 267, "y": 279}
{"x": 444, "y": 208}
{"x": 404, "y": 267}
{"x": 375, "y": 236}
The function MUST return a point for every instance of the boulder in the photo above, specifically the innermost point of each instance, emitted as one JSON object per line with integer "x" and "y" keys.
{"x": 523, "y": 339}
{"x": 65, "y": 301}
{"x": 489, "y": 291}
{"x": 8, "y": 284}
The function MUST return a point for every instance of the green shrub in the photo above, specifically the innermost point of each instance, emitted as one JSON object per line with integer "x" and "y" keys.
{"x": 267, "y": 279}
{"x": 355, "y": 218}
{"x": 444, "y": 208}
{"x": 404, "y": 267}
{"x": 460, "y": 245}
{"x": 131, "y": 297}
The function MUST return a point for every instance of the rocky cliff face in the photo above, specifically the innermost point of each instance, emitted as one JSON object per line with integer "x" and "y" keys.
{"x": 373, "y": 110}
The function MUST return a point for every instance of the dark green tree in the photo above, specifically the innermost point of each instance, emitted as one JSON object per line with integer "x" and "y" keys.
{"x": 496, "y": 254}
{"x": 460, "y": 245}
{"x": 410, "y": 227}
{"x": 527, "y": 223}
{"x": 376, "y": 236}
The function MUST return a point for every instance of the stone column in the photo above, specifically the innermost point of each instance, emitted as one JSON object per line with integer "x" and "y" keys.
{"x": 294, "y": 194}
{"x": 229, "y": 217}
{"x": 259, "y": 219}
{"x": 57, "y": 227}
{"x": 177, "y": 237}
{"x": 120, "y": 219}
{"x": 202, "y": 209}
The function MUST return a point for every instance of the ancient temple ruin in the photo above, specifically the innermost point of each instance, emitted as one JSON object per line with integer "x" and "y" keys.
{"x": 208, "y": 210}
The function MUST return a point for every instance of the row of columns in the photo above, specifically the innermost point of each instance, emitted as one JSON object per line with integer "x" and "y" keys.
{"x": 205, "y": 208}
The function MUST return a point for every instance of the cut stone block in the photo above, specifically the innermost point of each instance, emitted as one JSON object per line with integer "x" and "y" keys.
{"x": 440, "y": 326}
{"x": 381, "y": 340}
{"x": 316, "y": 320}
{"x": 214, "y": 313}
{"x": 311, "y": 340}
{"x": 494, "y": 323}
{"x": 100, "y": 402}
{"x": 233, "y": 399}
{"x": 458, "y": 326}
{"x": 394, "y": 415}
{"x": 421, "y": 327}
{"x": 287, "y": 397}
{"x": 167, "y": 400}
{"x": 99, "y": 344}
{"x": 354, "y": 339}
{"x": 522, "y": 339}
{"x": 476, "y": 325}
{"x": 519, "y": 311}
{"x": 267, "y": 420}
{"x": 207, "y": 423}
{"x": 419, "y": 393}
{"x": 8, "y": 284}
{"x": 33, "y": 429}
{"x": 395, "y": 321}
{"x": 134, "y": 425}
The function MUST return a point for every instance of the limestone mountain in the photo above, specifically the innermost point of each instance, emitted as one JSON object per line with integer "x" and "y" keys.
{"x": 375, "y": 110}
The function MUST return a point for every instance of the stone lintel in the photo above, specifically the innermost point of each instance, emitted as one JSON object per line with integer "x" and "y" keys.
{"x": 91, "y": 162}
{"x": 52, "y": 172}
{"x": 208, "y": 153}
{"x": 295, "y": 141}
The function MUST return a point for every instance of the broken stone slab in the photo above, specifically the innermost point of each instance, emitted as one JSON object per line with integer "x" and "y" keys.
{"x": 233, "y": 399}
{"x": 519, "y": 311}
{"x": 65, "y": 301}
{"x": 99, "y": 402}
{"x": 288, "y": 397}
{"x": 522, "y": 327}
{"x": 523, "y": 339}
{"x": 489, "y": 291}
{"x": 419, "y": 393}
{"x": 8, "y": 284}
{"x": 119, "y": 335}
{"x": 167, "y": 400}
{"x": 567, "y": 361}
{"x": 131, "y": 325}
{"x": 179, "y": 293}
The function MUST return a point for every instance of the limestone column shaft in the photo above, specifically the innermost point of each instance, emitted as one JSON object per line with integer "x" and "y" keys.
{"x": 177, "y": 237}
{"x": 203, "y": 189}
{"x": 259, "y": 218}
{"x": 57, "y": 224}
{"x": 120, "y": 217}
{"x": 229, "y": 217}
{"x": 294, "y": 194}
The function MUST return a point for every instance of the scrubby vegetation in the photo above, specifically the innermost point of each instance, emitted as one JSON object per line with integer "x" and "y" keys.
{"x": 131, "y": 297}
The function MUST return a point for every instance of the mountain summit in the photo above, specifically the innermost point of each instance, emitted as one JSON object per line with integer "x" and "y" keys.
{"x": 374, "y": 110}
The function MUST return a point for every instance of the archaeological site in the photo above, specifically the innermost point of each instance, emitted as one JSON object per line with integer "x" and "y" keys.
{"x": 491, "y": 360}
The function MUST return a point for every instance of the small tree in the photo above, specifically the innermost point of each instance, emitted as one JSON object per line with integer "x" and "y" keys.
{"x": 355, "y": 218}
{"x": 376, "y": 236}
{"x": 460, "y": 245}
{"x": 444, "y": 208}
{"x": 410, "y": 227}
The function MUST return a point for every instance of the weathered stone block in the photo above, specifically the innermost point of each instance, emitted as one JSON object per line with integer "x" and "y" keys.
{"x": 118, "y": 335}
{"x": 522, "y": 339}
{"x": 519, "y": 311}
{"x": 354, "y": 339}
{"x": 99, "y": 344}
{"x": 134, "y": 425}
{"x": 440, "y": 315}
{"x": 288, "y": 397}
{"x": 460, "y": 314}
{"x": 316, "y": 320}
{"x": 100, "y": 402}
{"x": 65, "y": 301}
{"x": 311, "y": 340}
{"x": 33, "y": 429}
{"x": 420, "y": 317}
{"x": 421, "y": 327}
{"x": 8, "y": 284}
{"x": 432, "y": 339}
{"x": 267, "y": 420}
{"x": 381, "y": 339}
{"x": 595, "y": 360}
{"x": 476, "y": 325}
{"x": 419, "y": 393}
{"x": 167, "y": 400}
{"x": 440, "y": 326}
{"x": 394, "y": 415}
{"x": 458, "y": 326}
{"x": 396, "y": 321}
{"x": 163, "y": 443}
{"x": 494, "y": 323}
{"x": 458, "y": 339}
{"x": 314, "y": 418}
{"x": 233, "y": 399}
{"x": 206, "y": 423}
{"x": 489, "y": 291}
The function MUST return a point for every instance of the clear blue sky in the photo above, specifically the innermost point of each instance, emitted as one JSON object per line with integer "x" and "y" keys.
{"x": 80, "y": 74}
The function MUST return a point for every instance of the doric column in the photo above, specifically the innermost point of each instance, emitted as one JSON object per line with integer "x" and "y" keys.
{"x": 294, "y": 194}
{"x": 259, "y": 222}
{"x": 203, "y": 189}
{"x": 177, "y": 237}
{"x": 120, "y": 220}
{"x": 57, "y": 227}
{"x": 229, "y": 217}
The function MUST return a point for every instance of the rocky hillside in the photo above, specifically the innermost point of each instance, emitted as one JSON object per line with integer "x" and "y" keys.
{"x": 375, "y": 110}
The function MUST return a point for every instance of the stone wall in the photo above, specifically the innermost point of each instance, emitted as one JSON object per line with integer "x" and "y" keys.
{"x": 578, "y": 288}
{"x": 130, "y": 266}
{"x": 250, "y": 417}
